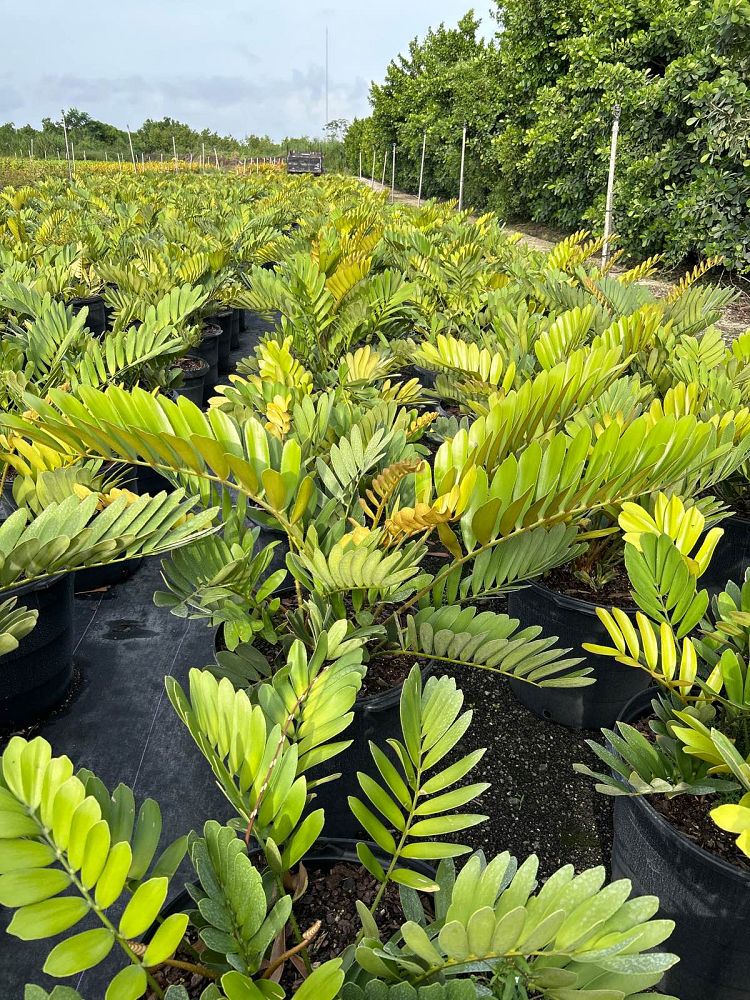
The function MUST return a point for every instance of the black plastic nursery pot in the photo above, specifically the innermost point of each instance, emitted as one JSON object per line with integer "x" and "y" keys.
{"x": 37, "y": 675}
{"x": 194, "y": 370}
{"x": 208, "y": 349}
{"x": 224, "y": 320}
{"x": 152, "y": 482}
{"x": 707, "y": 897}
{"x": 242, "y": 315}
{"x": 574, "y": 621}
{"x": 238, "y": 316}
{"x": 731, "y": 558}
{"x": 97, "y": 577}
{"x": 96, "y": 320}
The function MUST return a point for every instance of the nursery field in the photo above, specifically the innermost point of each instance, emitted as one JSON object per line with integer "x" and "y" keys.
{"x": 373, "y": 621}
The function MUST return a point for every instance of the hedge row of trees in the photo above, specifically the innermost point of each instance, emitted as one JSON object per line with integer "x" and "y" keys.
{"x": 538, "y": 102}
{"x": 153, "y": 139}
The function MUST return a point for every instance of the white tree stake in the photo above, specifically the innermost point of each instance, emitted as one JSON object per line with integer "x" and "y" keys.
{"x": 610, "y": 185}
{"x": 132, "y": 153}
{"x": 393, "y": 175}
{"x": 67, "y": 150}
{"x": 461, "y": 181}
{"x": 421, "y": 169}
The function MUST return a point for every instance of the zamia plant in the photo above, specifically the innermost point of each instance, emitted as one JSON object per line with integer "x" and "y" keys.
{"x": 733, "y": 817}
{"x": 69, "y": 850}
{"x": 489, "y": 641}
{"x": 75, "y": 533}
{"x": 260, "y": 749}
{"x": 663, "y": 571}
{"x": 699, "y": 731}
{"x": 413, "y": 798}
{"x": 236, "y": 921}
{"x": 573, "y": 938}
{"x": 15, "y": 623}
{"x": 377, "y": 990}
{"x": 223, "y": 578}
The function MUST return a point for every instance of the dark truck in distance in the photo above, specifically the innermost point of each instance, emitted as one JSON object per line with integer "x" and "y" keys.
{"x": 304, "y": 163}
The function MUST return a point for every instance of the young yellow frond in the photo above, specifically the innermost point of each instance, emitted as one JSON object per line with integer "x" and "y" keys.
{"x": 692, "y": 276}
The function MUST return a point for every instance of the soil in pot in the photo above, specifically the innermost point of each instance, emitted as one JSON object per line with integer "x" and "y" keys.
{"x": 707, "y": 896}
{"x": 194, "y": 371}
{"x": 331, "y": 896}
{"x": 334, "y": 886}
{"x": 558, "y": 606}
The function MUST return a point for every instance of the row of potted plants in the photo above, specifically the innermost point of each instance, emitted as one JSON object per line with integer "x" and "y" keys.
{"x": 438, "y": 417}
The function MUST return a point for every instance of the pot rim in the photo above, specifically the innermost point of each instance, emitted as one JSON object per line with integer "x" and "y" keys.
{"x": 571, "y": 603}
{"x": 641, "y": 802}
{"x": 43, "y": 584}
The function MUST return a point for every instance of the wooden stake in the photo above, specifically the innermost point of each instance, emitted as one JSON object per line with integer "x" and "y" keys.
{"x": 216, "y": 156}
{"x": 174, "y": 150}
{"x": 385, "y": 164}
{"x": 461, "y": 180}
{"x": 421, "y": 169}
{"x": 610, "y": 185}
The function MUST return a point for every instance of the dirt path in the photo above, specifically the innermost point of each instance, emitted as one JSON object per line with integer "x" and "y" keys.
{"x": 736, "y": 318}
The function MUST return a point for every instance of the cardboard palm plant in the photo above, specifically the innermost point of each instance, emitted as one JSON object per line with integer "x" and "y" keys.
{"x": 71, "y": 849}
{"x": 696, "y": 651}
{"x": 505, "y": 511}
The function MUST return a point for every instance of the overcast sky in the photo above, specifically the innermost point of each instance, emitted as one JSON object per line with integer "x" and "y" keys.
{"x": 234, "y": 67}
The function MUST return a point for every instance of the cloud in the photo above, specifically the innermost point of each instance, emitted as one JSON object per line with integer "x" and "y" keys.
{"x": 290, "y": 105}
{"x": 229, "y": 65}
